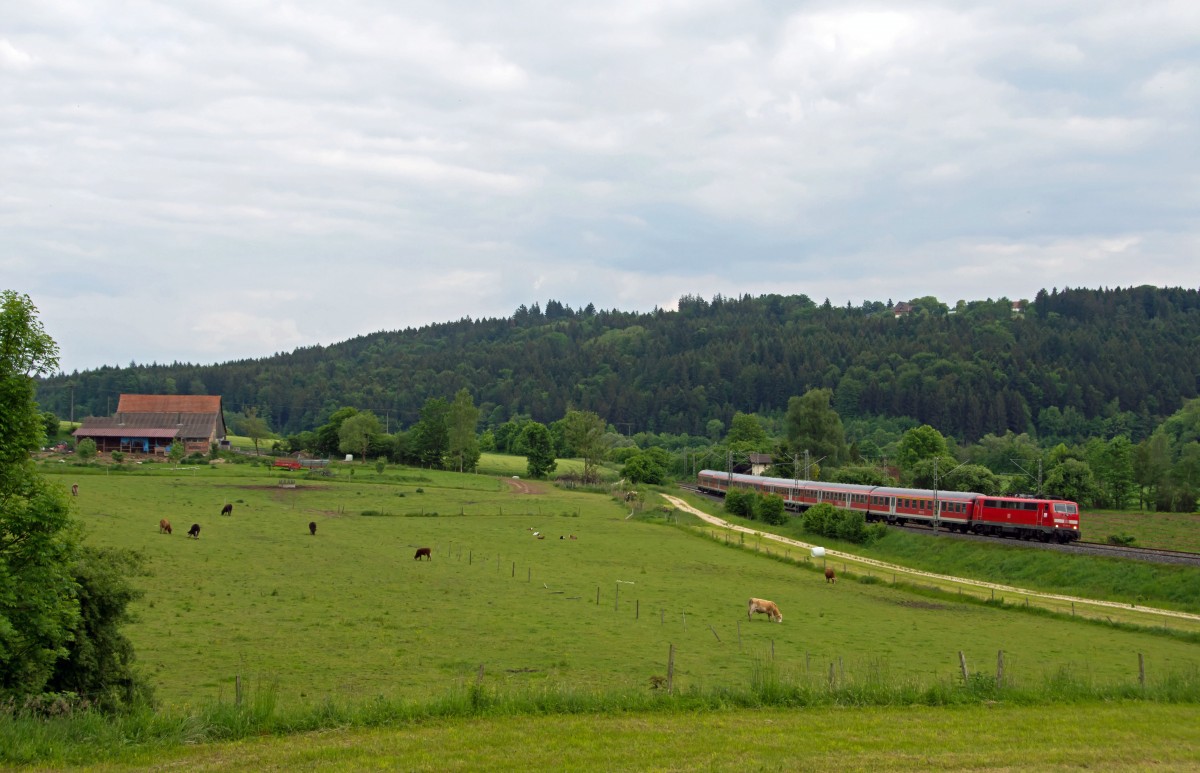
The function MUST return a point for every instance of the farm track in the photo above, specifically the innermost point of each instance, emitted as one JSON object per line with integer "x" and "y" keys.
{"x": 1153, "y": 555}
{"x": 963, "y": 581}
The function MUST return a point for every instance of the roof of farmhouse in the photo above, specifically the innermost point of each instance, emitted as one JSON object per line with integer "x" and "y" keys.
{"x": 169, "y": 404}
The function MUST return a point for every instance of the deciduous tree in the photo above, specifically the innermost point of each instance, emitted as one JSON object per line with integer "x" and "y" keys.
{"x": 539, "y": 450}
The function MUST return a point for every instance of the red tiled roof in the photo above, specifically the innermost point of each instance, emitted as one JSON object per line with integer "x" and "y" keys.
{"x": 169, "y": 404}
{"x": 125, "y": 432}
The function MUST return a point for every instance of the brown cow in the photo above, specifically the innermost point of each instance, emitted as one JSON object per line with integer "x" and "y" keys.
{"x": 74, "y": 489}
{"x": 312, "y": 528}
{"x": 423, "y": 552}
{"x": 227, "y": 509}
{"x": 164, "y": 526}
{"x": 768, "y": 608}
{"x": 194, "y": 531}
{"x": 829, "y": 575}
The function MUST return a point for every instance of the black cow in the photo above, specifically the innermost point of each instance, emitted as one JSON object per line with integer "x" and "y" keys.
{"x": 194, "y": 531}
{"x": 312, "y": 528}
{"x": 227, "y": 510}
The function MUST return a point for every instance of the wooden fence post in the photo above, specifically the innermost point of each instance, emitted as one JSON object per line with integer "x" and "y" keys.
{"x": 832, "y": 677}
{"x": 670, "y": 668}
{"x": 1141, "y": 670}
{"x": 714, "y": 632}
{"x": 597, "y": 595}
{"x": 999, "y": 668}
{"x": 962, "y": 664}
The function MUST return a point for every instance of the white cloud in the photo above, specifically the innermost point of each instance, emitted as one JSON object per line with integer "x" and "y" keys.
{"x": 435, "y": 162}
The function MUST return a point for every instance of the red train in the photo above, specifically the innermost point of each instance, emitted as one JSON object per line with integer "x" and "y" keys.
{"x": 1019, "y": 517}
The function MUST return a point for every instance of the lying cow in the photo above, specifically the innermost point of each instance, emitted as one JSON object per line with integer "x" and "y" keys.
{"x": 829, "y": 575}
{"x": 423, "y": 552}
{"x": 194, "y": 532}
{"x": 164, "y": 526}
{"x": 768, "y": 608}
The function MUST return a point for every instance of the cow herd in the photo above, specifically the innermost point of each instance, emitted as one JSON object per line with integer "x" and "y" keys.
{"x": 164, "y": 525}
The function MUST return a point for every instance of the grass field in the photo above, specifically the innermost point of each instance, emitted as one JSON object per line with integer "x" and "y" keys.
{"x": 1169, "y": 531}
{"x": 348, "y": 614}
{"x": 1112, "y": 736}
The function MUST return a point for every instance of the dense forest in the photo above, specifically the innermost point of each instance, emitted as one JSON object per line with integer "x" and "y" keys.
{"x": 1070, "y": 365}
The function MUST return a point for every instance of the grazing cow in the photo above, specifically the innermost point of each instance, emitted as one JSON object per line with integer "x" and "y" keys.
{"x": 768, "y": 608}
{"x": 74, "y": 489}
{"x": 829, "y": 575}
{"x": 573, "y": 537}
{"x": 312, "y": 528}
{"x": 423, "y": 552}
{"x": 227, "y": 509}
{"x": 164, "y": 526}
{"x": 194, "y": 531}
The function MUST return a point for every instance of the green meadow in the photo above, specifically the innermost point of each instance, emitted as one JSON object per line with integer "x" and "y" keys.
{"x": 348, "y": 615}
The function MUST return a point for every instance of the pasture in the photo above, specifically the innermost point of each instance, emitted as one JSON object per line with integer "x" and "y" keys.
{"x": 1168, "y": 531}
{"x": 347, "y": 614}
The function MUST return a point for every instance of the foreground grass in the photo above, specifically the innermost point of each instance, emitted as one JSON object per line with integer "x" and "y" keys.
{"x": 865, "y": 723}
{"x": 1124, "y": 736}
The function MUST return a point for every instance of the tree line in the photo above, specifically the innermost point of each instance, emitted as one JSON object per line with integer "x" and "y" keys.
{"x": 1070, "y": 365}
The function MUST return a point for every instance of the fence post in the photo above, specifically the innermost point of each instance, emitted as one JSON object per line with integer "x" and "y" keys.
{"x": 1141, "y": 671}
{"x": 670, "y": 668}
{"x": 637, "y": 609}
{"x": 237, "y": 689}
{"x": 999, "y": 668}
{"x": 832, "y": 677}
{"x": 962, "y": 663}
{"x": 514, "y": 569}
{"x": 714, "y": 632}
{"x": 597, "y": 595}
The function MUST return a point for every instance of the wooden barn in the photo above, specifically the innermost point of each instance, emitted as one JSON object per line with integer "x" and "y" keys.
{"x": 149, "y": 424}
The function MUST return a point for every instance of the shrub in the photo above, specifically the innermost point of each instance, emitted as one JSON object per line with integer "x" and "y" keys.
{"x": 739, "y": 502}
{"x": 771, "y": 509}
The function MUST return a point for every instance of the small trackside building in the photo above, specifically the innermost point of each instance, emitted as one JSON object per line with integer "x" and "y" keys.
{"x": 149, "y": 424}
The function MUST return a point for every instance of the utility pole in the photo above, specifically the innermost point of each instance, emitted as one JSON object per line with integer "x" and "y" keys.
{"x": 936, "y": 508}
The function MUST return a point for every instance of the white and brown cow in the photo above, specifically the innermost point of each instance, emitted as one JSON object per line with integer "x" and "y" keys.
{"x": 768, "y": 608}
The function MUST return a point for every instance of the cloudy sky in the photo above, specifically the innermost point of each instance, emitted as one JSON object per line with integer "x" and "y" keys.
{"x": 221, "y": 179}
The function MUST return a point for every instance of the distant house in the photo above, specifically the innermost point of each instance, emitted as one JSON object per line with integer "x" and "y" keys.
{"x": 759, "y": 463}
{"x": 755, "y": 464}
{"x": 149, "y": 424}
{"x": 902, "y": 309}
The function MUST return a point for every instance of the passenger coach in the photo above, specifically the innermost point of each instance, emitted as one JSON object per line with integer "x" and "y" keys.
{"x": 1019, "y": 517}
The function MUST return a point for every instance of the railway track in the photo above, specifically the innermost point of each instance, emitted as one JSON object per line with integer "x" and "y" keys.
{"x": 1152, "y": 555}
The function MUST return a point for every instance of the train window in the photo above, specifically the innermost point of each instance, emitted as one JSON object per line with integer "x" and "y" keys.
{"x": 1066, "y": 508}
{"x": 991, "y": 503}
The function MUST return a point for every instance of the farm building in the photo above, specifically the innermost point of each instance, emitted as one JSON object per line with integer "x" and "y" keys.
{"x": 151, "y": 423}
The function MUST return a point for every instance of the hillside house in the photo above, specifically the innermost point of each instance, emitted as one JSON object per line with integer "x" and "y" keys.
{"x": 147, "y": 424}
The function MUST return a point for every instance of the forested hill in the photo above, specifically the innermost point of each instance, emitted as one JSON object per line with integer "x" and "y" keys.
{"x": 1074, "y": 363}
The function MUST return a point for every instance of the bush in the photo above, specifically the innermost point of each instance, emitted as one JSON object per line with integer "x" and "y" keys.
{"x": 771, "y": 510}
{"x": 828, "y": 521}
{"x": 739, "y": 502}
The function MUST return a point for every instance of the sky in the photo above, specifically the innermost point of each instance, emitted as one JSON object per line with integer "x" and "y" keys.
{"x": 218, "y": 180}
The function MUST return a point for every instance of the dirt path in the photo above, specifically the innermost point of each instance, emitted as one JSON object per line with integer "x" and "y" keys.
{"x": 850, "y": 558}
{"x": 519, "y": 486}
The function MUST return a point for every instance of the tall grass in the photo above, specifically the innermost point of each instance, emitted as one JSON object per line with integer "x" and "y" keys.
{"x": 90, "y": 737}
